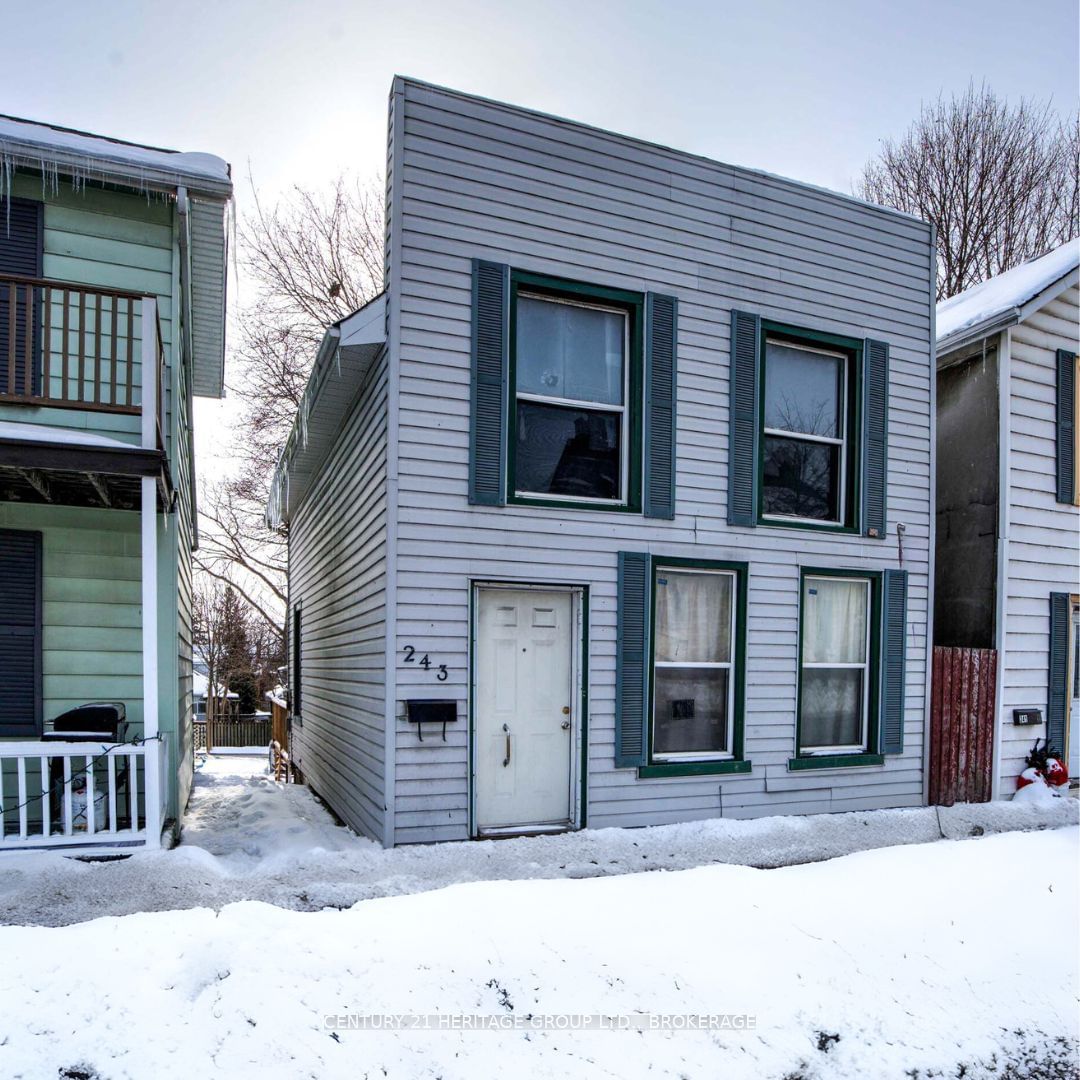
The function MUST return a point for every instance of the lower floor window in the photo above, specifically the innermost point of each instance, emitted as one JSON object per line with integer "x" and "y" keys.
{"x": 694, "y": 663}
{"x": 834, "y": 680}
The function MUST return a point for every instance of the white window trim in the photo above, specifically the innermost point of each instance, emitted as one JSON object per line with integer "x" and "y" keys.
{"x": 729, "y": 665}
{"x": 842, "y": 442}
{"x": 622, "y": 410}
{"x": 865, "y": 666}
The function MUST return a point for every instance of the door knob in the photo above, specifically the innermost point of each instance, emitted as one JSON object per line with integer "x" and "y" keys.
{"x": 565, "y": 725}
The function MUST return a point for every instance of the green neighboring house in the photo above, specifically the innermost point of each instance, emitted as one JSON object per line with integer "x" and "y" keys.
{"x": 112, "y": 317}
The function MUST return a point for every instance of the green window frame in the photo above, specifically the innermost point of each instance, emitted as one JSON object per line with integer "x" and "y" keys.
{"x": 577, "y": 293}
{"x": 702, "y": 762}
{"x": 850, "y": 443}
{"x": 869, "y": 753}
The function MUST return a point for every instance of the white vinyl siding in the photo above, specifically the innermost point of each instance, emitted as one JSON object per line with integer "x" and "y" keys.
{"x": 1043, "y": 534}
{"x": 479, "y": 180}
{"x": 337, "y": 577}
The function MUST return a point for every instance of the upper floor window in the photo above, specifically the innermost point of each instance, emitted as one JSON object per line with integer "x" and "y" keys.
{"x": 809, "y": 416}
{"x": 575, "y": 370}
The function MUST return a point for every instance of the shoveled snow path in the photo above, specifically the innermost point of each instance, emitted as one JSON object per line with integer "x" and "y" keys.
{"x": 942, "y": 959}
{"x": 248, "y": 838}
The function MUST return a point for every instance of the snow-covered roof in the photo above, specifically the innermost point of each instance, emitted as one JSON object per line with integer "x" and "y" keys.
{"x": 992, "y": 305}
{"x": 71, "y": 436}
{"x": 347, "y": 351}
{"x": 53, "y": 149}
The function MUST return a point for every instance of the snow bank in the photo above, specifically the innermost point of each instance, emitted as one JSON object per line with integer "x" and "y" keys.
{"x": 248, "y": 838}
{"x": 984, "y": 302}
{"x": 910, "y": 961}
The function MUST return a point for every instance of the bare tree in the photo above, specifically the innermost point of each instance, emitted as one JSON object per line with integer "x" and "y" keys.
{"x": 313, "y": 258}
{"x": 999, "y": 180}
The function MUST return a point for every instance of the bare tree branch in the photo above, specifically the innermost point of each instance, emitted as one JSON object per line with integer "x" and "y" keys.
{"x": 999, "y": 181}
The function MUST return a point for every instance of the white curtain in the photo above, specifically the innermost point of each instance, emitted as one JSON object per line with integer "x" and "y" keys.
{"x": 834, "y": 621}
{"x": 693, "y": 616}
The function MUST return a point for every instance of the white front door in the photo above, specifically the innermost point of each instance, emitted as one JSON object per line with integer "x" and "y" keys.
{"x": 525, "y": 714}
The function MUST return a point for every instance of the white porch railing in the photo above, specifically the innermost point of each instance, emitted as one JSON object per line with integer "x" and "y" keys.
{"x": 56, "y": 794}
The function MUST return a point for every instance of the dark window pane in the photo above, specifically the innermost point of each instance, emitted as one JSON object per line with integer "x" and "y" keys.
{"x": 832, "y": 706}
{"x": 801, "y": 479}
{"x": 565, "y": 451}
{"x": 803, "y": 390}
{"x": 569, "y": 351}
{"x": 690, "y": 710}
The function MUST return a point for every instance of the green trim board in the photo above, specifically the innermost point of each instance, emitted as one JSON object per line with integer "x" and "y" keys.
{"x": 693, "y": 768}
{"x": 854, "y": 349}
{"x": 873, "y": 717}
{"x": 634, "y": 304}
{"x": 736, "y": 763}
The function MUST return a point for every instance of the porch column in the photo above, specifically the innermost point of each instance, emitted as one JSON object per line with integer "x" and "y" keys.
{"x": 148, "y": 515}
{"x": 154, "y": 750}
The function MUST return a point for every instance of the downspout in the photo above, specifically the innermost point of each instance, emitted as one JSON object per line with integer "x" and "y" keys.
{"x": 1001, "y": 590}
{"x": 931, "y": 560}
{"x": 187, "y": 359}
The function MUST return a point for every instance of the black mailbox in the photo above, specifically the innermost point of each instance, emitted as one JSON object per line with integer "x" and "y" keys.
{"x": 1027, "y": 716}
{"x": 430, "y": 712}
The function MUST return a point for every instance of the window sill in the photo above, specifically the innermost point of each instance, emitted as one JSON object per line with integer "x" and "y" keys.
{"x": 813, "y": 526}
{"x": 563, "y": 504}
{"x": 691, "y": 768}
{"x": 834, "y": 761}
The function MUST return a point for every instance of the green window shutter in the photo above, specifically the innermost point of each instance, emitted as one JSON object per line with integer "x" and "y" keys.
{"x": 1058, "y": 696}
{"x": 20, "y": 632}
{"x": 661, "y": 334}
{"x": 875, "y": 437}
{"x": 490, "y": 364}
{"x": 743, "y": 418}
{"x": 631, "y": 657}
{"x": 893, "y": 660}
{"x": 1066, "y": 426}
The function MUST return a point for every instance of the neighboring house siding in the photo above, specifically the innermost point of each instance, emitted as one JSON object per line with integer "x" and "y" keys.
{"x": 482, "y": 181}
{"x": 182, "y": 470}
{"x": 91, "y": 611}
{"x": 111, "y": 240}
{"x": 337, "y": 572}
{"x": 1044, "y": 535}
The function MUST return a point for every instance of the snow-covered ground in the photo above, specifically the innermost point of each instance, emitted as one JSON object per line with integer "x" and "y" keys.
{"x": 248, "y": 838}
{"x": 942, "y": 959}
{"x": 927, "y": 959}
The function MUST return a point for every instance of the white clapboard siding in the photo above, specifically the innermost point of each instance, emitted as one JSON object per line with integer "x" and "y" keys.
{"x": 474, "y": 179}
{"x": 1044, "y": 535}
{"x": 337, "y": 576}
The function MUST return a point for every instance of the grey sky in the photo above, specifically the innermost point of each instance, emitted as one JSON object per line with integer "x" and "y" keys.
{"x": 297, "y": 91}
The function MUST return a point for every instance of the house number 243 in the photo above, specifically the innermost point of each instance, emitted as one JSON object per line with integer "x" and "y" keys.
{"x": 424, "y": 662}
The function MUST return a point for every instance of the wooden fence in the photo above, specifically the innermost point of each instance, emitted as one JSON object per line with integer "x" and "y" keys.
{"x": 962, "y": 713}
{"x": 233, "y": 731}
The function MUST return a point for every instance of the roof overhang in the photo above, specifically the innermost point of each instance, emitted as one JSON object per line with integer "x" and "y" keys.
{"x": 57, "y": 150}
{"x": 71, "y": 474}
{"x": 346, "y": 355}
{"x": 1002, "y": 320}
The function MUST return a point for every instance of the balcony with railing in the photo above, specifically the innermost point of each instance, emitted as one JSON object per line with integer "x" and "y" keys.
{"x": 65, "y": 346}
{"x": 72, "y": 346}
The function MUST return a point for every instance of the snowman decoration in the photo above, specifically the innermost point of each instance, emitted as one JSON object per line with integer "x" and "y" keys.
{"x": 1045, "y": 776}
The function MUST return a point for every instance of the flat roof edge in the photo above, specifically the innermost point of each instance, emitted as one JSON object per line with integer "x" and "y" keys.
{"x": 745, "y": 170}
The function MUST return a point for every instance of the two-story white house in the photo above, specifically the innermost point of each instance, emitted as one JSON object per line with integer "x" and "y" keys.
{"x": 615, "y": 507}
{"x": 1008, "y": 522}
